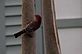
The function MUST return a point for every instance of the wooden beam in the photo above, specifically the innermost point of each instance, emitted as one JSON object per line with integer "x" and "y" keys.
{"x": 28, "y": 44}
{"x": 50, "y": 29}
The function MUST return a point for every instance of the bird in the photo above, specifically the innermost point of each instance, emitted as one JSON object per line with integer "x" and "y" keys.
{"x": 30, "y": 27}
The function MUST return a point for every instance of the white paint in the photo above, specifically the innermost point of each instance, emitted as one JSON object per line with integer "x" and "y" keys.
{"x": 13, "y": 41}
{"x": 66, "y": 9}
{"x": 14, "y": 50}
{"x": 7, "y": 2}
{"x": 71, "y": 40}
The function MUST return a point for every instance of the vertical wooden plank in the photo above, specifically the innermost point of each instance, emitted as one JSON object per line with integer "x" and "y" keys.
{"x": 50, "y": 30}
{"x": 28, "y": 44}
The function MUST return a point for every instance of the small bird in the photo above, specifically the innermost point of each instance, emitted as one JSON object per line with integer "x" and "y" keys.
{"x": 31, "y": 27}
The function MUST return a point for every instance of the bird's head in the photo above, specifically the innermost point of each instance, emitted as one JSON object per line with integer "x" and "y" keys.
{"x": 38, "y": 18}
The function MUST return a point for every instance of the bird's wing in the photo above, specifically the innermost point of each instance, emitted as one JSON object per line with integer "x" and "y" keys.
{"x": 31, "y": 27}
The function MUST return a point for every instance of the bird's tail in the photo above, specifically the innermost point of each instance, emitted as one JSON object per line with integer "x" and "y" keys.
{"x": 19, "y": 33}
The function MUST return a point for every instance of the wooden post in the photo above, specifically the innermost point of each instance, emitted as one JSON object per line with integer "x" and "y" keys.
{"x": 28, "y": 44}
{"x": 50, "y": 31}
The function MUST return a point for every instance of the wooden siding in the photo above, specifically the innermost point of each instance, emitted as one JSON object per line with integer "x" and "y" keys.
{"x": 13, "y": 24}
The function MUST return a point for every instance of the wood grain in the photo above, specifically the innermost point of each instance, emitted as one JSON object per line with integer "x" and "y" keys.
{"x": 50, "y": 29}
{"x": 28, "y": 44}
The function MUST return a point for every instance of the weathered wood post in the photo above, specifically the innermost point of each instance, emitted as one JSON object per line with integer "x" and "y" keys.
{"x": 28, "y": 44}
{"x": 50, "y": 31}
